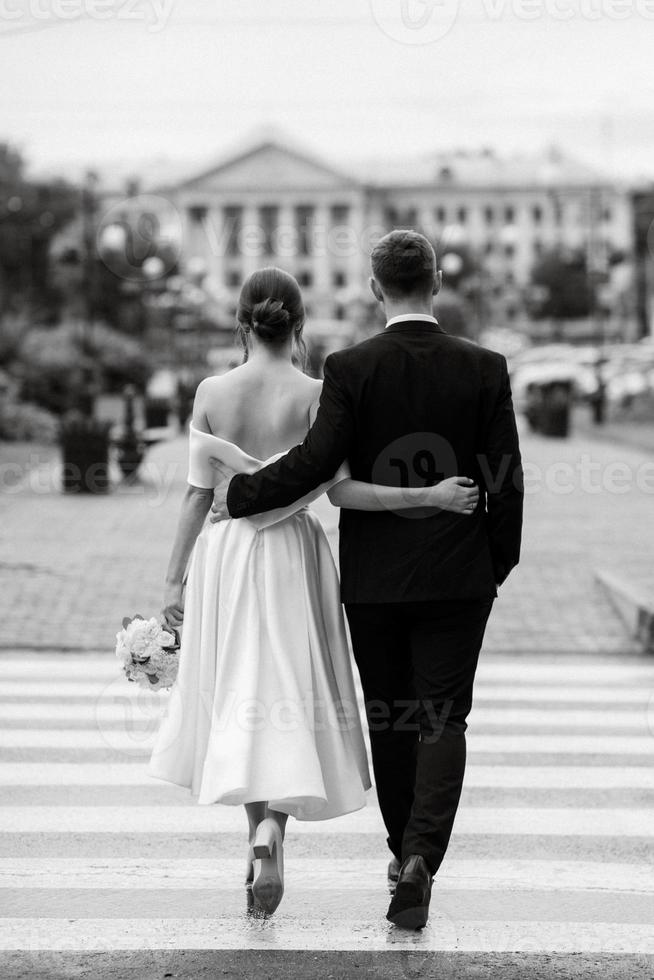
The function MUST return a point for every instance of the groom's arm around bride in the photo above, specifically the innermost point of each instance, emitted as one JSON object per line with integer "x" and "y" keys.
{"x": 410, "y": 382}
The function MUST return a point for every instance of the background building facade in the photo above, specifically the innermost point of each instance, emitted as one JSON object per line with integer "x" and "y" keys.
{"x": 275, "y": 204}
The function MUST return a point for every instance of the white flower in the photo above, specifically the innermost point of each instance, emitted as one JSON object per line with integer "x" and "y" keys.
{"x": 144, "y": 646}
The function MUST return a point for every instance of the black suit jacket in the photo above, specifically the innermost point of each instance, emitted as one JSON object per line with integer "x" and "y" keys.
{"x": 410, "y": 406}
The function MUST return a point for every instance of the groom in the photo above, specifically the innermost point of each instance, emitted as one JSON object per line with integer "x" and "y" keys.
{"x": 408, "y": 407}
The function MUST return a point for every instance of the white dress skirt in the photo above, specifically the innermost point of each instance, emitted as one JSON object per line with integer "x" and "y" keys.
{"x": 264, "y": 707}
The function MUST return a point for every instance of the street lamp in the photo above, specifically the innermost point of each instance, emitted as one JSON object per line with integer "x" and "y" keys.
{"x": 153, "y": 268}
{"x": 451, "y": 264}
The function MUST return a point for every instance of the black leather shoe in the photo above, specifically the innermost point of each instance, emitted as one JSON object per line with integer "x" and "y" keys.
{"x": 393, "y": 874}
{"x": 409, "y": 906}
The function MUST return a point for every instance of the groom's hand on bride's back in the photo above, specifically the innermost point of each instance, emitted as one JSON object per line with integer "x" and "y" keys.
{"x": 219, "y": 510}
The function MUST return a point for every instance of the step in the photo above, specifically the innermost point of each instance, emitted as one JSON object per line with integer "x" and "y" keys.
{"x": 633, "y": 599}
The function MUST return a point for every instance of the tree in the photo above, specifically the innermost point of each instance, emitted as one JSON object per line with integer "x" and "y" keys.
{"x": 461, "y": 304}
{"x": 561, "y": 288}
{"x": 452, "y": 314}
{"x": 31, "y": 213}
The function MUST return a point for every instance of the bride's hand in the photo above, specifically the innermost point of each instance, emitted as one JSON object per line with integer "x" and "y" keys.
{"x": 173, "y": 605}
{"x": 458, "y": 494}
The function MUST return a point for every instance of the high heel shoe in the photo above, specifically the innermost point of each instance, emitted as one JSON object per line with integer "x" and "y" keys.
{"x": 268, "y": 848}
{"x": 249, "y": 868}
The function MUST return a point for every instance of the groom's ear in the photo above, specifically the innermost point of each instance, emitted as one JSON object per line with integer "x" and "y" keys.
{"x": 376, "y": 290}
{"x": 438, "y": 282}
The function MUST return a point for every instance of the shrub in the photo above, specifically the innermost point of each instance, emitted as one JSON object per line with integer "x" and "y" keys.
{"x": 55, "y": 362}
{"x": 22, "y": 422}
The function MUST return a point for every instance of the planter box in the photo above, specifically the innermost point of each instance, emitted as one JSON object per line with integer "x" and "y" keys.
{"x": 85, "y": 456}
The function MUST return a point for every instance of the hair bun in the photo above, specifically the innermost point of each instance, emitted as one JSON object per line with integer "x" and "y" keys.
{"x": 270, "y": 320}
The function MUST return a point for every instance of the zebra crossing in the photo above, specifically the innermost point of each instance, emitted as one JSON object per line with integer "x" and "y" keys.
{"x": 552, "y": 850}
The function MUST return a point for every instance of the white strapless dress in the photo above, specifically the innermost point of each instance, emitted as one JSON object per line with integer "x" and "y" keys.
{"x": 264, "y": 706}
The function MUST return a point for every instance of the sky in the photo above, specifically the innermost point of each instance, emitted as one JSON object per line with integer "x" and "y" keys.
{"x": 131, "y": 83}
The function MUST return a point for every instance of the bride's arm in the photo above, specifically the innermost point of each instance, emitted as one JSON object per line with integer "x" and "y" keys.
{"x": 458, "y": 494}
{"x": 195, "y": 507}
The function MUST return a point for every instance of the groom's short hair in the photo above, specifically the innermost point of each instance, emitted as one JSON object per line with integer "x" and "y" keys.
{"x": 404, "y": 264}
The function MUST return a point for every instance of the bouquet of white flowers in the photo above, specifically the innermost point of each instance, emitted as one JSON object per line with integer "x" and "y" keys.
{"x": 149, "y": 651}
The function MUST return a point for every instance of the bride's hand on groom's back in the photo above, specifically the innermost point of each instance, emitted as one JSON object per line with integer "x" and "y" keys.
{"x": 458, "y": 494}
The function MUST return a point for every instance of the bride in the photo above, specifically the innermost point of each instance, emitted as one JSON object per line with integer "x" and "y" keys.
{"x": 264, "y": 712}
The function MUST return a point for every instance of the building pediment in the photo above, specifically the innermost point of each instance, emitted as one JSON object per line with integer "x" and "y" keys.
{"x": 269, "y": 166}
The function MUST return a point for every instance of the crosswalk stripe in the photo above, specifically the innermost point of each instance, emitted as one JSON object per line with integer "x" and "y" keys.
{"x": 315, "y": 874}
{"x": 149, "y": 712}
{"x": 485, "y": 693}
{"x": 215, "y": 819}
{"x": 525, "y": 776}
{"x": 139, "y": 740}
{"x": 104, "y": 669}
{"x": 443, "y": 933}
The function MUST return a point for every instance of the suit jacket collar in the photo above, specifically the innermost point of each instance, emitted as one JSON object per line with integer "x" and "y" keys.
{"x": 413, "y": 324}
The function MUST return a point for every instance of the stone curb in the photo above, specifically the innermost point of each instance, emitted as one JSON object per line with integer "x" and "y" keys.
{"x": 632, "y": 603}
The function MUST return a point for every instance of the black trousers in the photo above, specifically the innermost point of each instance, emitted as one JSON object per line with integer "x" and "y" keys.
{"x": 417, "y": 662}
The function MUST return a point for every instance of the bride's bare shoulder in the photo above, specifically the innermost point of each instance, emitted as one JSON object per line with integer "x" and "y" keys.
{"x": 216, "y": 383}
{"x": 213, "y": 394}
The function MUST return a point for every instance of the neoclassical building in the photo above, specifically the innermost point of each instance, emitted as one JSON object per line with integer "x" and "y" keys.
{"x": 273, "y": 203}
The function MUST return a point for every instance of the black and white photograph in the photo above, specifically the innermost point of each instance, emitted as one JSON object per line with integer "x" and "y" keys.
{"x": 326, "y": 490}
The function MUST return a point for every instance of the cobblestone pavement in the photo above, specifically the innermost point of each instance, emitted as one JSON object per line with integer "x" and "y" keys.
{"x": 72, "y": 566}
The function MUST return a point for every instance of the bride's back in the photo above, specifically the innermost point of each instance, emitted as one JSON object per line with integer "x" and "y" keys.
{"x": 263, "y": 407}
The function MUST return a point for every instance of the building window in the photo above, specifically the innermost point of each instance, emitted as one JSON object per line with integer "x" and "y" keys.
{"x": 197, "y": 214}
{"x": 489, "y": 215}
{"x": 538, "y": 247}
{"x": 462, "y": 215}
{"x": 233, "y": 278}
{"x": 304, "y": 215}
{"x": 489, "y": 248}
{"x": 537, "y": 214}
{"x": 410, "y": 218}
{"x": 340, "y": 215}
{"x": 441, "y": 215}
{"x": 509, "y": 214}
{"x": 305, "y": 278}
{"x": 391, "y": 217}
{"x": 339, "y": 312}
{"x": 268, "y": 217}
{"x": 233, "y": 224}
{"x": 401, "y": 218}
{"x": 509, "y": 250}
{"x": 339, "y": 278}
{"x": 607, "y": 214}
